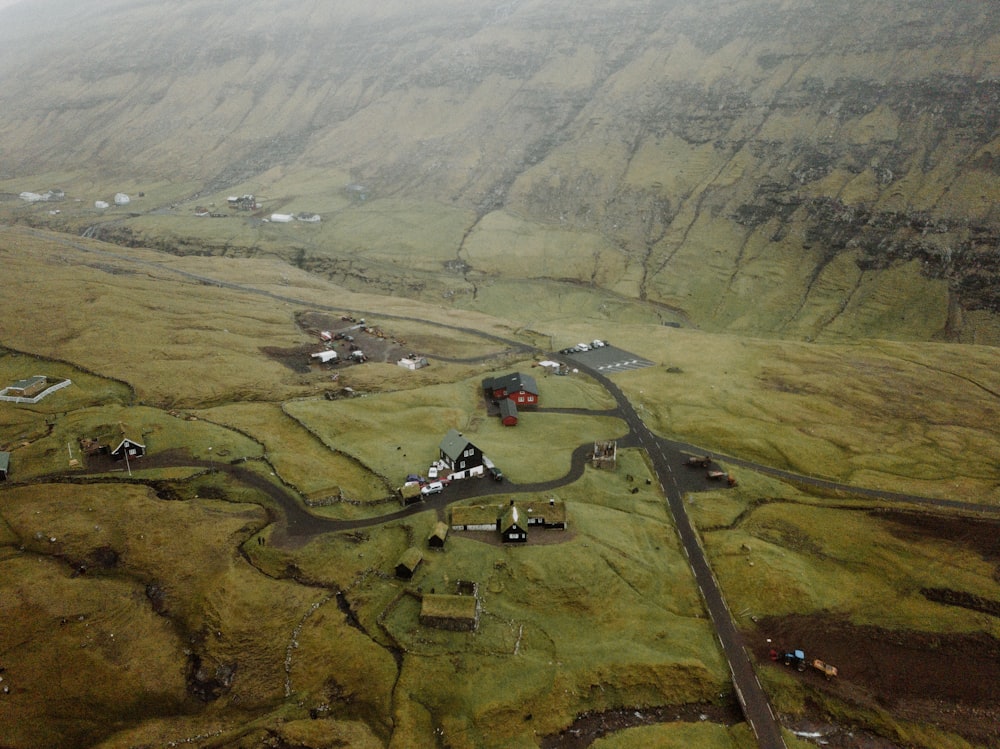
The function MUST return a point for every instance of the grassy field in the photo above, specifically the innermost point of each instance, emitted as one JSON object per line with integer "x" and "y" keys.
{"x": 602, "y": 616}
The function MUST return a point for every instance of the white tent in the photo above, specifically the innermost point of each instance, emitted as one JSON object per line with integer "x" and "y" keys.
{"x": 122, "y": 199}
{"x": 282, "y": 218}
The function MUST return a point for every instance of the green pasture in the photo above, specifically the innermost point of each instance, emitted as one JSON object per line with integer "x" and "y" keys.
{"x": 160, "y": 432}
{"x": 682, "y": 736}
{"x": 901, "y": 417}
{"x": 792, "y": 554}
{"x": 399, "y": 433}
{"x": 296, "y": 455}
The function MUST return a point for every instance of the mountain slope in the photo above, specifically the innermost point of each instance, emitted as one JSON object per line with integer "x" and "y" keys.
{"x": 802, "y": 168}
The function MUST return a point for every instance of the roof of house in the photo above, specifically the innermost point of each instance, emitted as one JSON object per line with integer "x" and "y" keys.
{"x": 454, "y": 444}
{"x": 440, "y": 531}
{"x": 28, "y": 382}
{"x": 475, "y": 514}
{"x": 410, "y": 559}
{"x": 448, "y": 606}
{"x": 511, "y": 517}
{"x": 516, "y": 382}
{"x": 507, "y": 408}
{"x": 4, "y": 461}
{"x": 554, "y": 512}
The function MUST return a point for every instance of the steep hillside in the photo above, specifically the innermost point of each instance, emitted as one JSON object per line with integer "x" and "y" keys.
{"x": 798, "y": 168}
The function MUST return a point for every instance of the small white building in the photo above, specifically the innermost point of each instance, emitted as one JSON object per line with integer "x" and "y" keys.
{"x": 122, "y": 199}
{"x": 413, "y": 362}
{"x": 101, "y": 204}
{"x": 325, "y": 357}
{"x": 282, "y": 218}
{"x": 309, "y": 218}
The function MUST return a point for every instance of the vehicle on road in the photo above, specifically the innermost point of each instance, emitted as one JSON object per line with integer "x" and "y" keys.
{"x": 434, "y": 487}
{"x": 699, "y": 461}
{"x": 582, "y": 347}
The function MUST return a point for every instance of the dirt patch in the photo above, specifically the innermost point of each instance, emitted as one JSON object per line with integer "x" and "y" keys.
{"x": 980, "y": 535}
{"x": 589, "y": 727}
{"x": 946, "y": 680}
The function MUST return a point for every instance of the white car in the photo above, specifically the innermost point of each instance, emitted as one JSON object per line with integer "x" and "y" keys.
{"x": 598, "y": 343}
{"x": 435, "y": 487}
{"x": 432, "y": 472}
{"x": 583, "y": 347}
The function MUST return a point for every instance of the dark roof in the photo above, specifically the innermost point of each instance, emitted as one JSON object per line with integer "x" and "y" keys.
{"x": 4, "y": 462}
{"x": 516, "y": 382}
{"x": 507, "y": 408}
{"x": 454, "y": 444}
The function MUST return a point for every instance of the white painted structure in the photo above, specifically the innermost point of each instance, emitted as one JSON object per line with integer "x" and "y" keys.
{"x": 325, "y": 356}
{"x": 282, "y": 218}
{"x": 122, "y": 199}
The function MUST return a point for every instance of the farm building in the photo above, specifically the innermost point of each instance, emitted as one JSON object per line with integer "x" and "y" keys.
{"x": 4, "y": 466}
{"x": 309, "y": 218}
{"x": 508, "y": 413}
{"x": 409, "y": 493}
{"x": 511, "y": 521}
{"x": 519, "y": 388}
{"x": 408, "y": 563}
{"x": 119, "y": 444}
{"x": 438, "y": 535}
{"x": 27, "y": 388}
{"x": 474, "y": 518}
{"x": 325, "y": 357}
{"x": 122, "y": 199}
{"x": 458, "y": 613}
{"x": 282, "y": 218}
{"x": 462, "y": 459}
{"x": 243, "y": 203}
{"x": 413, "y": 362}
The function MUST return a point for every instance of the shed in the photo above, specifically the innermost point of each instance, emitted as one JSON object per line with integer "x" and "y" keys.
{"x": 474, "y": 518}
{"x": 438, "y": 535}
{"x": 508, "y": 413}
{"x": 282, "y": 218}
{"x": 122, "y": 199}
{"x": 413, "y": 362}
{"x": 28, "y": 387}
{"x": 4, "y": 466}
{"x": 325, "y": 357}
{"x": 458, "y": 613}
{"x": 408, "y": 563}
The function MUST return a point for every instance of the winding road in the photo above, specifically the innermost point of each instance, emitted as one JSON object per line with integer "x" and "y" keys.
{"x": 665, "y": 455}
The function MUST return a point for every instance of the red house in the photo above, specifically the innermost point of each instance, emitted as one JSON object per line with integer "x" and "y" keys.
{"x": 520, "y": 389}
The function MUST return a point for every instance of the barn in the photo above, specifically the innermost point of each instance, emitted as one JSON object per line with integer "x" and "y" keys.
{"x": 438, "y": 535}
{"x": 4, "y": 466}
{"x": 408, "y": 563}
{"x": 508, "y": 413}
{"x": 458, "y": 613}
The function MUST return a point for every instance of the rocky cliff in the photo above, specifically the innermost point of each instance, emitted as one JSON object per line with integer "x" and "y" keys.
{"x": 793, "y": 167}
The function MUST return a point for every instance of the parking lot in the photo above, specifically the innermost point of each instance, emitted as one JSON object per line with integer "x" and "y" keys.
{"x": 608, "y": 359}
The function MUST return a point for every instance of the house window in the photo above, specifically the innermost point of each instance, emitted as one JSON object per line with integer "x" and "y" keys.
{"x": 468, "y": 452}
{"x": 520, "y": 397}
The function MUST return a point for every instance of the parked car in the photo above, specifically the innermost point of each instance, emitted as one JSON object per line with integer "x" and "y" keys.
{"x": 495, "y": 473}
{"x": 435, "y": 487}
{"x": 432, "y": 472}
{"x": 582, "y": 347}
{"x": 598, "y": 343}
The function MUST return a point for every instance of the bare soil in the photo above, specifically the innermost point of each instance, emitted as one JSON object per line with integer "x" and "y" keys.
{"x": 949, "y": 681}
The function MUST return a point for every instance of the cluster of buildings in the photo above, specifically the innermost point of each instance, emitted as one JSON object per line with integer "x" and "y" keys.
{"x": 510, "y": 392}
